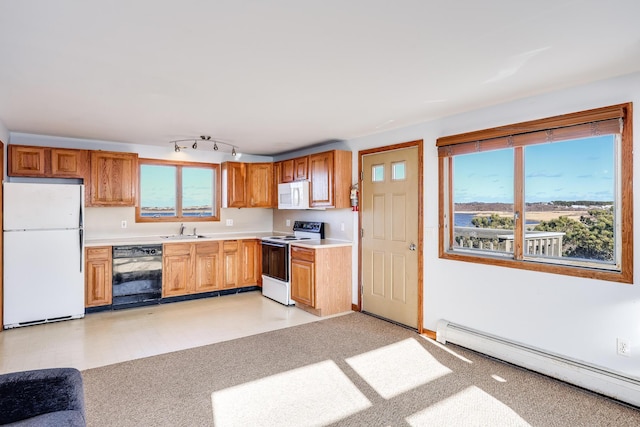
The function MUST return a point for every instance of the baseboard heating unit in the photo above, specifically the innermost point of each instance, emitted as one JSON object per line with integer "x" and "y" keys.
{"x": 600, "y": 380}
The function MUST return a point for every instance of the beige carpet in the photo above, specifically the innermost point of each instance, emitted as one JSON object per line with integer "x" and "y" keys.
{"x": 348, "y": 370}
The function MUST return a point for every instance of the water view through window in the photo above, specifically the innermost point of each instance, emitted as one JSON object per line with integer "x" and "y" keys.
{"x": 160, "y": 196}
{"x": 569, "y": 200}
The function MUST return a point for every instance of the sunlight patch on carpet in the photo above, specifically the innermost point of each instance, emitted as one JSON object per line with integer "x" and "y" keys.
{"x": 314, "y": 395}
{"x": 397, "y": 368}
{"x": 470, "y": 407}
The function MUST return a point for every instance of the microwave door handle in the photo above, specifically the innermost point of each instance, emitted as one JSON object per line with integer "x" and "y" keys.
{"x": 296, "y": 197}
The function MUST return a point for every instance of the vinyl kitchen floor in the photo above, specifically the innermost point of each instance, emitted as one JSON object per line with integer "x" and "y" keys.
{"x": 115, "y": 336}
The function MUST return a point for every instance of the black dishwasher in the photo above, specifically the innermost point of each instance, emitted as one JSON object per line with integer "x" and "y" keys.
{"x": 137, "y": 275}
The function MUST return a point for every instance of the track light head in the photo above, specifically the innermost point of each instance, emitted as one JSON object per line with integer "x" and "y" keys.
{"x": 193, "y": 144}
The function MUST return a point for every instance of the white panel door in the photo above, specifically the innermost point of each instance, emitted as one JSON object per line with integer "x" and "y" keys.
{"x": 391, "y": 238}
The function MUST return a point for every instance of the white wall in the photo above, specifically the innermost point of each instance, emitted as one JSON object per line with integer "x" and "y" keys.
{"x": 335, "y": 220}
{"x": 4, "y": 137}
{"x": 106, "y": 222}
{"x": 578, "y": 318}
{"x": 4, "y": 133}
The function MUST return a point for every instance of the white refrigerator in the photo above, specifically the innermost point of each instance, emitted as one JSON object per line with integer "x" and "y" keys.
{"x": 43, "y": 253}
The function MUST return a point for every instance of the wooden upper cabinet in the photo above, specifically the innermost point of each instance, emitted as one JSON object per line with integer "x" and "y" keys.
{"x": 294, "y": 169}
{"x": 114, "y": 179}
{"x": 234, "y": 183}
{"x": 260, "y": 185}
{"x": 330, "y": 179}
{"x": 26, "y": 161}
{"x": 247, "y": 185}
{"x": 286, "y": 171}
{"x": 46, "y": 162}
{"x": 68, "y": 163}
{"x": 300, "y": 168}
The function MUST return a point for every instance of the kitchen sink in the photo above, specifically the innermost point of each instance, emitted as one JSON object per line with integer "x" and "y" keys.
{"x": 183, "y": 236}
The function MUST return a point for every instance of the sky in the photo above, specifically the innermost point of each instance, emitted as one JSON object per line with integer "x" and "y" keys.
{"x": 573, "y": 170}
{"x": 158, "y": 185}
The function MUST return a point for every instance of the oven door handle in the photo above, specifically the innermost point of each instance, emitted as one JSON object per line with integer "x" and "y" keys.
{"x": 274, "y": 244}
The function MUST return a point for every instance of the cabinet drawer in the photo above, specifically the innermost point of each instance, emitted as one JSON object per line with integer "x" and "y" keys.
{"x": 207, "y": 248}
{"x": 303, "y": 253}
{"x": 176, "y": 249}
{"x": 230, "y": 245}
{"x": 101, "y": 253}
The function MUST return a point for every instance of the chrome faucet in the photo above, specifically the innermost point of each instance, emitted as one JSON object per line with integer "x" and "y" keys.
{"x": 181, "y": 229}
{"x": 194, "y": 231}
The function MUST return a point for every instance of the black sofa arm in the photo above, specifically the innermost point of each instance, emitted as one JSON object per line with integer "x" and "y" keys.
{"x": 29, "y": 394}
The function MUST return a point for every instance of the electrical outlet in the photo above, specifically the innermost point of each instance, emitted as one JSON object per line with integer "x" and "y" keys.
{"x": 624, "y": 347}
{"x": 123, "y": 224}
{"x": 229, "y": 223}
{"x": 288, "y": 223}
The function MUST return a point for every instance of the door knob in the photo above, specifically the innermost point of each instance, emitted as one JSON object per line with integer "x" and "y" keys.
{"x": 412, "y": 247}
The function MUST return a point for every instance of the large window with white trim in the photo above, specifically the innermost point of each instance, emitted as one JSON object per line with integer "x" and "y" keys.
{"x": 551, "y": 195}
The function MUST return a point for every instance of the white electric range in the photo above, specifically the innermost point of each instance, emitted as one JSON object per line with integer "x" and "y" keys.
{"x": 276, "y": 259}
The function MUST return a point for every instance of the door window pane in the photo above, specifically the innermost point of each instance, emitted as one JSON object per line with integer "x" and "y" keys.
{"x": 377, "y": 173}
{"x": 398, "y": 172}
{"x": 483, "y": 201}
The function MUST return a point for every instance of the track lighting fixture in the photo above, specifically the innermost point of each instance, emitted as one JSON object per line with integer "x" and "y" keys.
{"x": 177, "y": 148}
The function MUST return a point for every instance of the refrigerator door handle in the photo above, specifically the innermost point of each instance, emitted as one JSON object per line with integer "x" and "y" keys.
{"x": 80, "y": 218}
{"x": 80, "y": 231}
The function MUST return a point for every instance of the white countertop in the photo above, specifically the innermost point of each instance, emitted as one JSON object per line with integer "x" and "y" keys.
{"x": 151, "y": 240}
{"x": 321, "y": 244}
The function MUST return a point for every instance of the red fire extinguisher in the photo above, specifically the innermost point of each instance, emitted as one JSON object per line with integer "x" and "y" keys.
{"x": 354, "y": 197}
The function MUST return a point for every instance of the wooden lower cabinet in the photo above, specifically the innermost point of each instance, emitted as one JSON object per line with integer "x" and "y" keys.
{"x": 241, "y": 263}
{"x": 98, "y": 274}
{"x": 250, "y": 264}
{"x": 303, "y": 287}
{"x": 207, "y": 267}
{"x": 321, "y": 279}
{"x": 176, "y": 269}
{"x": 230, "y": 264}
{"x": 190, "y": 268}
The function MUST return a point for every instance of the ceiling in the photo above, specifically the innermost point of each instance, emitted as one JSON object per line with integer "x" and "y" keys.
{"x": 272, "y": 76}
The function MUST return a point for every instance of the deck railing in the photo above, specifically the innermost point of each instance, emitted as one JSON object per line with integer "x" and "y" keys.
{"x": 544, "y": 243}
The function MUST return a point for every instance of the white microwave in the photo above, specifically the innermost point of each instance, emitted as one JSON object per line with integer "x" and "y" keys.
{"x": 293, "y": 195}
